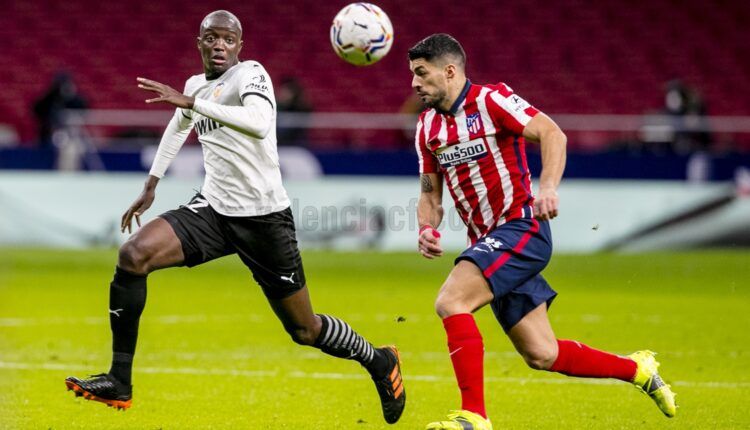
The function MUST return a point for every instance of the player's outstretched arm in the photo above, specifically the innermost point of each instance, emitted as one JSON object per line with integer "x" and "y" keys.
{"x": 542, "y": 129}
{"x": 165, "y": 93}
{"x": 430, "y": 214}
{"x": 253, "y": 118}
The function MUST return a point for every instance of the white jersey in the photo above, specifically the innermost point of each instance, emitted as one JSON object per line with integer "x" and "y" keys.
{"x": 234, "y": 116}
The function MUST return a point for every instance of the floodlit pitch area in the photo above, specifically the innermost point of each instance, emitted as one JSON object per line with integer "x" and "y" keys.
{"x": 212, "y": 355}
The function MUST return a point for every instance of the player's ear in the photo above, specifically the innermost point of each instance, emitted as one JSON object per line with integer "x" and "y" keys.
{"x": 239, "y": 49}
{"x": 450, "y": 70}
{"x": 198, "y": 42}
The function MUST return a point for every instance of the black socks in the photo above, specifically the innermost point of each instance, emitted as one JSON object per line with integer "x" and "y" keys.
{"x": 127, "y": 298}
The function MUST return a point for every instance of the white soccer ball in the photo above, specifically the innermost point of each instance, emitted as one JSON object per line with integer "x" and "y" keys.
{"x": 361, "y": 34}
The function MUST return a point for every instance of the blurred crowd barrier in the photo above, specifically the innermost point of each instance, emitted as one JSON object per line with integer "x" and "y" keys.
{"x": 84, "y": 209}
{"x": 653, "y": 132}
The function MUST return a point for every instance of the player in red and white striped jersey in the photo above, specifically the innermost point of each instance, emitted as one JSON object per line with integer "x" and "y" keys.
{"x": 478, "y": 146}
{"x": 473, "y": 137}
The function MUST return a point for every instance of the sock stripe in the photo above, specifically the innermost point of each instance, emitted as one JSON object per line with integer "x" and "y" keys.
{"x": 335, "y": 329}
{"x": 344, "y": 338}
{"x": 340, "y": 332}
{"x": 323, "y": 337}
{"x": 327, "y": 327}
{"x": 347, "y": 337}
{"x": 340, "y": 340}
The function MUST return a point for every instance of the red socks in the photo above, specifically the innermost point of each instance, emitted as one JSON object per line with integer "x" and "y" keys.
{"x": 577, "y": 359}
{"x": 467, "y": 354}
{"x": 573, "y": 359}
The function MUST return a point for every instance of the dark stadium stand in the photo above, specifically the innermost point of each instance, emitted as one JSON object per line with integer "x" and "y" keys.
{"x": 576, "y": 56}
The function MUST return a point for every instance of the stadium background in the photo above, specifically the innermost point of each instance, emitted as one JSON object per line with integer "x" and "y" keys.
{"x": 637, "y": 181}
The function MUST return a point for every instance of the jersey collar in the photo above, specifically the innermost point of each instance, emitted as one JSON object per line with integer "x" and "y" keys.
{"x": 460, "y": 99}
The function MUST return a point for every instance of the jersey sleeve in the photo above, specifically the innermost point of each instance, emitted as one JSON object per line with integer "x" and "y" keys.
{"x": 508, "y": 110}
{"x": 256, "y": 117}
{"x": 255, "y": 85}
{"x": 427, "y": 161}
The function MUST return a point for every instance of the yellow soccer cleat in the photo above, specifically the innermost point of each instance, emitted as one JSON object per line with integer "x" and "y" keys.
{"x": 462, "y": 420}
{"x": 647, "y": 379}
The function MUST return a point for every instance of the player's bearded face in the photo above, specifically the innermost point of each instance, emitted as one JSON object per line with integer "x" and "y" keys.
{"x": 220, "y": 48}
{"x": 429, "y": 82}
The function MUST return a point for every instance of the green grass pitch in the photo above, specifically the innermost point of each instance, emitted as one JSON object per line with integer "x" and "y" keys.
{"x": 213, "y": 356}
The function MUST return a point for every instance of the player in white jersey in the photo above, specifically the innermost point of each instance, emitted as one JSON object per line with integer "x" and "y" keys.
{"x": 242, "y": 208}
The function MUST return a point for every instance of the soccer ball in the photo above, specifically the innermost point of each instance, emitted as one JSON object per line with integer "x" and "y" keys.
{"x": 361, "y": 34}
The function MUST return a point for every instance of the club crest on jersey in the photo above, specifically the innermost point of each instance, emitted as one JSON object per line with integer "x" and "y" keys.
{"x": 217, "y": 90}
{"x": 474, "y": 123}
{"x": 461, "y": 153}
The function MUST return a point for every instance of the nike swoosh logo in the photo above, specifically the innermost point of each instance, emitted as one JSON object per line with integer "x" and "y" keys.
{"x": 456, "y": 350}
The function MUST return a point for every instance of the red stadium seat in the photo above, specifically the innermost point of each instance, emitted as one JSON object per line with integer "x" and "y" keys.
{"x": 575, "y": 56}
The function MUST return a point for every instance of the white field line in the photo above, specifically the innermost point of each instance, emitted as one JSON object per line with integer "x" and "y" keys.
{"x": 228, "y": 318}
{"x": 7, "y": 322}
{"x": 162, "y": 319}
{"x": 5, "y": 365}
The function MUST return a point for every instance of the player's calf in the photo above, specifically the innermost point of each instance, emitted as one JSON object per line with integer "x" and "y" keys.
{"x": 304, "y": 335}
{"x": 577, "y": 359}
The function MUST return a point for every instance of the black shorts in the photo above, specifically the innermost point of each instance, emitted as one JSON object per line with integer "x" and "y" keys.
{"x": 267, "y": 244}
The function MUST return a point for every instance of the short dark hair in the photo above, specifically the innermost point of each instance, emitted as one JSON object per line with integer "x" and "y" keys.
{"x": 438, "y": 46}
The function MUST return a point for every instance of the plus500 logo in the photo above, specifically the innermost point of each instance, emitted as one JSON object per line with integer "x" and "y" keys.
{"x": 461, "y": 153}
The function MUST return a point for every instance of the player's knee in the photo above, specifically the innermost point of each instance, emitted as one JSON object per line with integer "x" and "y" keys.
{"x": 447, "y": 305}
{"x": 541, "y": 358}
{"x": 134, "y": 257}
{"x": 463, "y": 292}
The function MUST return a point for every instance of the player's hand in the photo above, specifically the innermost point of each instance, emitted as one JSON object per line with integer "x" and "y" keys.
{"x": 139, "y": 206}
{"x": 429, "y": 243}
{"x": 545, "y": 204}
{"x": 166, "y": 94}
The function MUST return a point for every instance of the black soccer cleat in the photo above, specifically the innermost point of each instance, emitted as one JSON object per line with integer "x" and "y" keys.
{"x": 102, "y": 388}
{"x": 391, "y": 386}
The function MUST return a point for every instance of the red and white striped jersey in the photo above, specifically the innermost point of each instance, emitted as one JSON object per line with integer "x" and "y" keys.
{"x": 479, "y": 149}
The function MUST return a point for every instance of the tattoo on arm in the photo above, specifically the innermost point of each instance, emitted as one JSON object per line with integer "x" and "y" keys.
{"x": 426, "y": 184}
